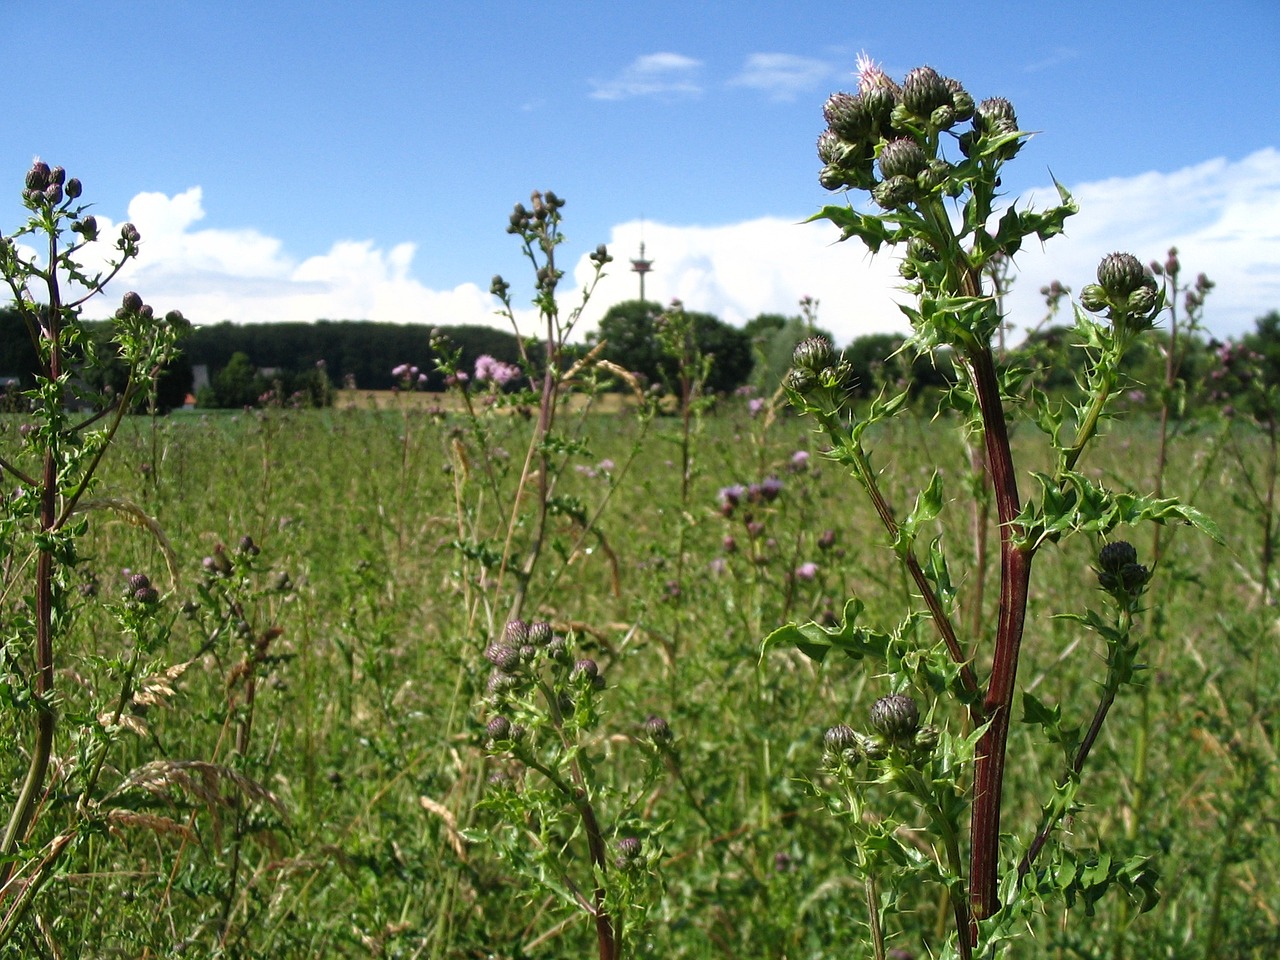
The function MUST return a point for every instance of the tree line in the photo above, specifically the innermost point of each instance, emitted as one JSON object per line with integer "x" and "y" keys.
{"x": 303, "y": 363}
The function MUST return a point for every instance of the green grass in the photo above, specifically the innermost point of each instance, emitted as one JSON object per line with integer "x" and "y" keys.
{"x": 366, "y": 729}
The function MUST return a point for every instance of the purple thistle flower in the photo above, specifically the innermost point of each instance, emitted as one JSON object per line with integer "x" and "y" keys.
{"x": 807, "y": 571}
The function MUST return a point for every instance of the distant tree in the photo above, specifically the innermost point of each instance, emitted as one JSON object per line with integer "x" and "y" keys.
{"x": 364, "y": 351}
{"x": 628, "y": 329}
{"x": 764, "y": 325}
{"x": 1265, "y": 341}
{"x": 18, "y": 356}
{"x": 238, "y": 384}
{"x": 878, "y": 361}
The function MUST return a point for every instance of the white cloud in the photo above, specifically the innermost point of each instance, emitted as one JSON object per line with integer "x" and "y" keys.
{"x": 246, "y": 276}
{"x": 739, "y": 270}
{"x": 652, "y": 74}
{"x": 782, "y": 75}
{"x": 1224, "y": 217}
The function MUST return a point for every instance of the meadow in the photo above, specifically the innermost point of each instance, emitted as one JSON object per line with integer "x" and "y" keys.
{"x": 300, "y": 769}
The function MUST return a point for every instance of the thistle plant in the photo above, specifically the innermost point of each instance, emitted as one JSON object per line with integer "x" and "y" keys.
{"x": 55, "y": 466}
{"x": 561, "y": 825}
{"x": 931, "y": 157}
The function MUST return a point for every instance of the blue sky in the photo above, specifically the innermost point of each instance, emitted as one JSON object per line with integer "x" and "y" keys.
{"x": 340, "y": 159}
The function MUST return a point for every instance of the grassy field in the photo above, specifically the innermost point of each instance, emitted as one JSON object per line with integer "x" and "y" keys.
{"x": 340, "y": 674}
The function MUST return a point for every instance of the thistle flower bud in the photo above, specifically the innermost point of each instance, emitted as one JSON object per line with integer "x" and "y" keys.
{"x": 248, "y": 547}
{"x": 801, "y": 381}
{"x": 961, "y": 101}
{"x": 601, "y": 255}
{"x": 499, "y": 728}
{"x": 87, "y": 227}
{"x": 943, "y": 117}
{"x": 657, "y": 729}
{"x": 131, "y": 302}
{"x": 902, "y": 156}
{"x": 1115, "y": 555}
{"x": 500, "y": 683}
{"x": 139, "y": 581}
{"x": 896, "y": 717}
{"x": 934, "y": 175}
{"x": 1143, "y": 302}
{"x": 894, "y": 193}
{"x": 503, "y": 656}
{"x": 926, "y": 739}
{"x": 53, "y": 193}
{"x": 1093, "y": 298}
{"x": 830, "y": 149}
{"x": 1119, "y": 274}
{"x": 146, "y": 596}
{"x": 629, "y": 850}
{"x": 129, "y": 233}
{"x": 516, "y": 633}
{"x": 540, "y": 633}
{"x": 812, "y": 354}
{"x": 585, "y": 668}
{"x": 38, "y": 176}
{"x": 995, "y": 115}
{"x": 57, "y": 175}
{"x": 840, "y": 738}
{"x": 848, "y": 117}
{"x": 923, "y": 91}
{"x": 1119, "y": 572}
{"x": 73, "y": 188}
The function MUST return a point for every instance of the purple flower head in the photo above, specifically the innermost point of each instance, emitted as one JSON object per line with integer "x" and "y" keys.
{"x": 755, "y": 405}
{"x": 730, "y": 497}
{"x": 807, "y": 571}
{"x": 800, "y": 460}
{"x": 606, "y": 465}
{"x": 500, "y": 373}
{"x": 400, "y": 371}
{"x": 770, "y": 487}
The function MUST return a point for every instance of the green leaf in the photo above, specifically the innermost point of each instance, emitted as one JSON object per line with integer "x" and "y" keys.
{"x": 867, "y": 228}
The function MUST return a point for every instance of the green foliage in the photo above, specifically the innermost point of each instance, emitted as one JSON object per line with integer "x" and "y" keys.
{"x": 630, "y": 336}
{"x": 890, "y": 140}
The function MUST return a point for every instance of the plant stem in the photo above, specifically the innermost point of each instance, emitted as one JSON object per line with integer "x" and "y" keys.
{"x": 1015, "y": 575}
{"x": 46, "y": 718}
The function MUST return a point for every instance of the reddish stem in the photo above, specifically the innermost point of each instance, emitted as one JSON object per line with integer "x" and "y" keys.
{"x": 1015, "y": 574}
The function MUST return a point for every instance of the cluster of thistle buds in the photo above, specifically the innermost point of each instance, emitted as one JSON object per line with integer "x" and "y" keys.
{"x": 527, "y": 646}
{"x": 895, "y": 720}
{"x": 1126, "y": 291}
{"x": 885, "y": 138}
{"x": 1119, "y": 572}
{"x": 220, "y": 564}
{"x": 140, "y": 591}
{"x": 815, "y": 366}
{"x": 545, "y": 206}
{"x": 131, "y": 306}
{"x": 48, "y": 187}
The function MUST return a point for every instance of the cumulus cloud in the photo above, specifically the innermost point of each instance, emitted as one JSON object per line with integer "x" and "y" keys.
{"x": 653, "y": 74}
{"x": 1223, "y": 216}
{"x": 782, "y": 76}
{"x": 246, "y": 276}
